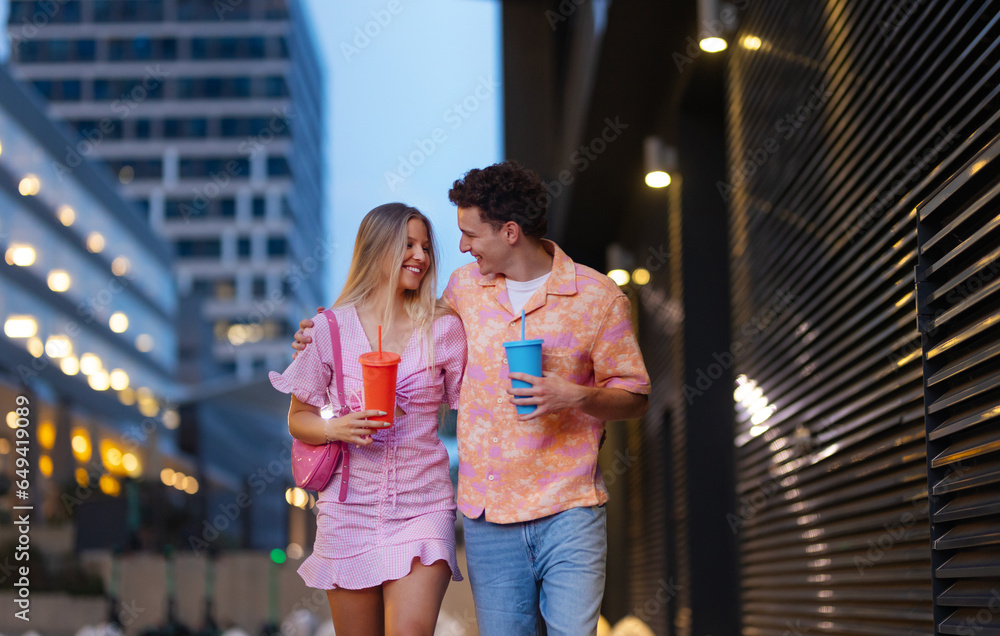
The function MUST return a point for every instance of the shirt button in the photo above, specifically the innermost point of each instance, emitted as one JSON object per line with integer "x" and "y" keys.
{"x": 495, "y": 440}
{"x": 505, "y": 360}
{"x": 499, "y": 400}
{"x": 491, "y": 477}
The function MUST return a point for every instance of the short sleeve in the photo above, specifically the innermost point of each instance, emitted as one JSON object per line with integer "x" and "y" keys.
{"x": 308, "y": 376}
{"x": 449, "y": 295}
{"x": 616, "y": 356}
{"x": 451, "y": 352}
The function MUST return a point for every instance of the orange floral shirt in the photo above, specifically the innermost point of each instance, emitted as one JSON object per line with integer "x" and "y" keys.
{"x": 518, "y": 471}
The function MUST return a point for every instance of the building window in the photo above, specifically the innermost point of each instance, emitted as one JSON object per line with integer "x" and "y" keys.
{"x": 59, "y": 91}
{"x": 69, "y": 13}
{"x": 243, "y": 247}
{"x": 28, "y": 51}
{"x": 202, "y": 287}
{"x": 31, "y": 11}
{"x": 128, "y": 11}
{"x": 213, "y": 87}
{"x": 282, "y": 125}
{"x": 174, "y": 128}
{"x": 228, "y": 48}
{"x": 275, "y": 10}
{"x": 253, "y": 126}
{"x": 225, "y": 288}
{"x": 198, "y": 248}
{"x": 197, "y": 168}
{"x": 71, "y": 90}
{"x": 171, "y": 128}
{"x": 142, "y": 129}
{"x": 139, "y": 49}
{"x": 132, "y": 89}
{"x": 256, "y": 47}
{"x": 198, "y": 10}
{"x": 275, "y": 87}
{"x": 259, "y": 287}
{"x": 277, "y": 246}
{"x": 86, "y": 51}
{"x": 168, "y": 49}
{"x": 200, "y": 209}
{"x": 232, "y": 127}
{"x": 95, "y": 131}
{"x": 44, "y": 87}
{"x": 199, "y": 48}
{"x": 59, "y": 49}
{"x": 197, "y": 127}
{"x": 259, "y": 207}
{"x": 142, "y": 48}
{"x": 277, "y": 167}
{"x": 240, "y": 87}
{"x": 142, "y": 207}
{"x": 141, "y": 168}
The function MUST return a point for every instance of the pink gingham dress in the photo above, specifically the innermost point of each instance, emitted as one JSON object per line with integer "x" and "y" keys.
{"x": 400, "y": 502}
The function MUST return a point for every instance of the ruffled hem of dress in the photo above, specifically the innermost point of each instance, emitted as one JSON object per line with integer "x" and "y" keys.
{"x": 375, "y": 567}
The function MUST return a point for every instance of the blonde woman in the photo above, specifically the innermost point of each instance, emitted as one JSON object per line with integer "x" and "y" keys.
{"x": 386, "y": 553}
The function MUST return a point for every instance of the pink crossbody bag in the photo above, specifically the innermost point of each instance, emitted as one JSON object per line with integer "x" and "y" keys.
{"x": 313, "y": 466}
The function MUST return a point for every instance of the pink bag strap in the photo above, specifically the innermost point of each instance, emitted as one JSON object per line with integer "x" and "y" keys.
{"x": 345, "y": 408}
{"x": 337, "y": 355}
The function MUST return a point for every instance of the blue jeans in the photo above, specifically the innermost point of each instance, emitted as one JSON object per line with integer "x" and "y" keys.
{"x": 544, "y": 576}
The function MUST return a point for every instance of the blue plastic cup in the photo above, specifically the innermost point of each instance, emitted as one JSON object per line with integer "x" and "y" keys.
{"x": 524, "y": 356}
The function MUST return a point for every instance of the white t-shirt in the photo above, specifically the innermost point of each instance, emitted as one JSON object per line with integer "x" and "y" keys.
{"x": 519, "y": 292}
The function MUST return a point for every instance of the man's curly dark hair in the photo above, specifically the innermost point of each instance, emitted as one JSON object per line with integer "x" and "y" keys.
{"x": 505, "y": 191}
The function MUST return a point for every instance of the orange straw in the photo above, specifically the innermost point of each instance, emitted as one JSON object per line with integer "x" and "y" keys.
{"x": 380, "y": 342}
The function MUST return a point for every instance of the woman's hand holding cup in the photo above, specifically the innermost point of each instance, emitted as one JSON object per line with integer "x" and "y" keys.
{"x": 354, "y": 428}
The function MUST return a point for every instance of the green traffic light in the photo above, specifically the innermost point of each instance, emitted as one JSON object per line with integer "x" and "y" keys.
{"x": 278, "y": 555}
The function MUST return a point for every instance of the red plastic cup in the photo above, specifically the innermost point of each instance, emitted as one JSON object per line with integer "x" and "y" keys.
{"x": 378, "y": 372}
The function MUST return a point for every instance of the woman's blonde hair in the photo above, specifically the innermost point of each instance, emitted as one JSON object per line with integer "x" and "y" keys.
{"x": 379, "y": 251}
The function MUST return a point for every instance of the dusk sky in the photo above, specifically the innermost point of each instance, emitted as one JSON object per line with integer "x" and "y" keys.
{"x": 424, "y": 88}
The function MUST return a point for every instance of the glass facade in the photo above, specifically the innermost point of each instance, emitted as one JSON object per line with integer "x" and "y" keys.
{"x": 89, "y": 306}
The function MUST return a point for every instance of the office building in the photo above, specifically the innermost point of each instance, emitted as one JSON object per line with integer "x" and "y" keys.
{"x": 210, "y": 115}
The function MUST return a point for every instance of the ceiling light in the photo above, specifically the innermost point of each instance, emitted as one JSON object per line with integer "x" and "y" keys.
{"x": 660, "y": 160}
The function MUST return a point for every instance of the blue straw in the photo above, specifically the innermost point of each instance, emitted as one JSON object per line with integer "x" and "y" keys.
{"x": 522, "y": 324}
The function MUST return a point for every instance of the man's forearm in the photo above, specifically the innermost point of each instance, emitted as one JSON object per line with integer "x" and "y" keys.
{"x": 612, "y": 404}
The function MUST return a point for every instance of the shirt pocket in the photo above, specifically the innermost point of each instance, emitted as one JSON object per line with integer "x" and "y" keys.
{"x": 575, "y": 367}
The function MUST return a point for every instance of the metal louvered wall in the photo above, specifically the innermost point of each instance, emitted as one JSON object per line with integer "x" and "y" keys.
{"x": 959, "y": 314}
{"x": 657, "y": 572}
{"x": 852, "y": 123}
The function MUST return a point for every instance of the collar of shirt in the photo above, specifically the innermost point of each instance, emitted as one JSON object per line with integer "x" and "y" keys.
{"x": 562, "y": 282}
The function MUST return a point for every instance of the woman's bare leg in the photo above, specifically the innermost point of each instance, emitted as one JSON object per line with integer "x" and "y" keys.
{"x": 413, "y": 602}
{"x": 358, "y": 612}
